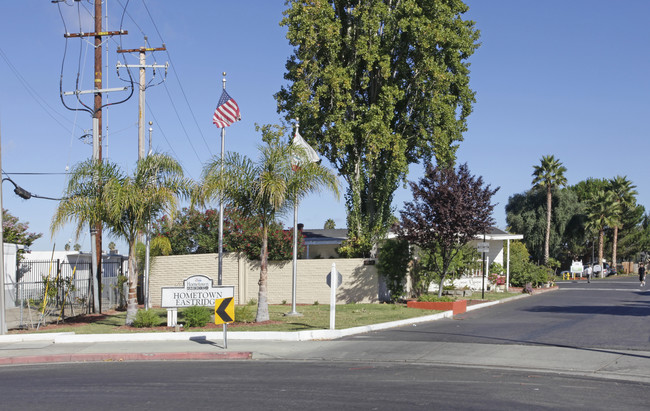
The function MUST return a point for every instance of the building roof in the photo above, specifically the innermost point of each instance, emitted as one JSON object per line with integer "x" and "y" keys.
{"x": 337, "y": 235}
{"x": 321, "y": 236}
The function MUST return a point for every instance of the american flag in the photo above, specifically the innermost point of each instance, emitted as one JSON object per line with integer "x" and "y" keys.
{"x": 227, "y": 111}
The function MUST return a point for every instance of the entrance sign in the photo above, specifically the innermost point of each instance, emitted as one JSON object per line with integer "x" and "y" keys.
{"x": 577, "y": 267}
{"x": 224, "y": 310}
{"x": 197, "y": 290}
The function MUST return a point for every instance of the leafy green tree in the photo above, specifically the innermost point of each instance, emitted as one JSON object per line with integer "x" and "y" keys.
{"x": 393, "y": 265}
{"x": 16, "y": 232}
{"x": 526, "y": 214}
{"x": 377, "y": 86}
{"x": 549, "y": 175}
{"x": 449, "y": 209}
{"x": 425, "y": 271}
{"x": 196, "y": 232}
{"x": 329, "y": 224}
{"x": 586, "y": 189}
{"x": 264, "y": 189}
{"x": 634, "y": 236}
{"x": 624, "y": 194}
{"x": 602, "y": 211}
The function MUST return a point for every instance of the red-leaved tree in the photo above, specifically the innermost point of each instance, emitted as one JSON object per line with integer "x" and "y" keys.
{"x": 449, "y": 209}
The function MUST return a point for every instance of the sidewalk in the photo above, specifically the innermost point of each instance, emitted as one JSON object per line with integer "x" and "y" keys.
{"x": 321, "y": 345}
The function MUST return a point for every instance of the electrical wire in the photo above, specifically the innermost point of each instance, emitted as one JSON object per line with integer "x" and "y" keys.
{"x": 162, "y": 132}
{"x": 34, "y": 94}
{"x": 178, "y": 80}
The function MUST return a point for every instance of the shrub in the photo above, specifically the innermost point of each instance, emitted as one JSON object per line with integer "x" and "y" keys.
{"x": 432, "y": 298}
{"x": 244, "y": 314}
{"x": 393, "y": 262}
{"x": 196, "y": 316}
{"x": 146, "y": 318}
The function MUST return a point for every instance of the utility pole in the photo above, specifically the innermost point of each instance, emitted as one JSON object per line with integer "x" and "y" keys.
{"x": 96, "y": 231}
{"x": 141, "y": 145}
{"x": 142, "y": 66}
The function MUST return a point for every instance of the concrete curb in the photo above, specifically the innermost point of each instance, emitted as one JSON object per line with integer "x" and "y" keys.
{"x": 71, "y": 338}
{"x": 168, "y": 356}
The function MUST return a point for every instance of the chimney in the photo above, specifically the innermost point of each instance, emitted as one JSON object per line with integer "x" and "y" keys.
{"x": 300, "y": 226}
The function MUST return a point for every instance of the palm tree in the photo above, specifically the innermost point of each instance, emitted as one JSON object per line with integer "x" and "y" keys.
{"x": 124, "y": 205}
{"x": 84, "y": 202}
{"x": 135, "y": 200}
{"x": 602, "y": 211}
{"x": 624, "y": 193}
{"x": 549, "y": 175}
{"x": 264, "y": 189}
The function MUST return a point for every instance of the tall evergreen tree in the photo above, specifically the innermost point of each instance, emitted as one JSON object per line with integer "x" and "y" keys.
{"x": 624, "y": 193}
{"x": 377, "y": 86}
{"x": 602, "y": 212}
{"x": 549, "y": 175}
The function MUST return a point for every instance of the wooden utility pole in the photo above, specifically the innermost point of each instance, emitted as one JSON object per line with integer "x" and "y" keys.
{"x": 96, "y": 231}
{"x": 141, "y": 104}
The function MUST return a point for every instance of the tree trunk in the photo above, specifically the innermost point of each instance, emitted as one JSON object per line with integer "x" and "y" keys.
{"x": 132, "y": 299}
{"x": 614, "y": 246}
{"x": 547, "y": 240}
{"x": 442, "y": 282}
{"x": 601, "y": 240}
{"x": 262, "y": 301}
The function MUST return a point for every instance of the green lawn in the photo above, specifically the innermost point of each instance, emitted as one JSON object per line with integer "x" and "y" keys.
{"x": 314, "y": 317}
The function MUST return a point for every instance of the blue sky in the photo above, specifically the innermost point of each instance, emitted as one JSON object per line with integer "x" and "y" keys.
{"x": 568, "y": 78}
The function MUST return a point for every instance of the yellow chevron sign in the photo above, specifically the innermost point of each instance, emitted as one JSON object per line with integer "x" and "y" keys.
{"x": 224, "y": 310}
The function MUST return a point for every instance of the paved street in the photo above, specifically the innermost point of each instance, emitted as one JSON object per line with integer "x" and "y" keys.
{"x": 582, "y": 346}
{"x": 604, "y": 314}
{"x": 311, "y": 385}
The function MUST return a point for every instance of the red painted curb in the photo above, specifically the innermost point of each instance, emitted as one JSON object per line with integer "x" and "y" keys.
{"x": 110, "y": 357}
{"x": 458, "y": 307}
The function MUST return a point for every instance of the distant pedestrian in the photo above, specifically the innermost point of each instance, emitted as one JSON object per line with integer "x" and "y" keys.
{"x": 588, "y": 273}
{"x": 642, "y": 274}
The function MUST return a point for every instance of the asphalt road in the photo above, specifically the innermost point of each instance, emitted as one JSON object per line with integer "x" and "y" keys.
{"x": 603, "y": 314}
{"x": 392, "y": 369}
{"x": 289, "y": 385}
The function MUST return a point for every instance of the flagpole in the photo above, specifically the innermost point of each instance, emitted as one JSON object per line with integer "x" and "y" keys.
{"x": 293, "y": 312}
{"x": 223, "y": 142}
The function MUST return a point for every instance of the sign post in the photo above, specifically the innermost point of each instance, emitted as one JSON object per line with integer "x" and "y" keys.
{"x": 333, "y": 280}
{"x": 224, "y": 313}
{"x": 483, "y": 248}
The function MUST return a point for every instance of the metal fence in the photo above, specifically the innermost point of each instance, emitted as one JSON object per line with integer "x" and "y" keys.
{"x": 62, "y": 287}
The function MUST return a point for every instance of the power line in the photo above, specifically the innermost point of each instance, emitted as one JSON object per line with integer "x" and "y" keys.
{"x": 162, "y": 132}
{"x": 171, "y": 63}
{"x": 34, "y": 94}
